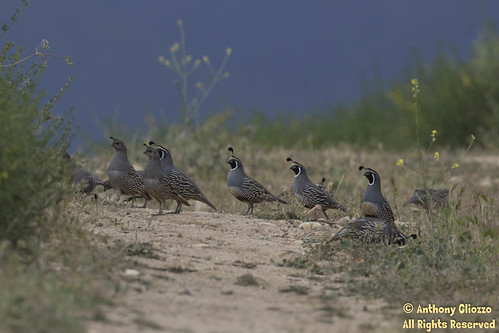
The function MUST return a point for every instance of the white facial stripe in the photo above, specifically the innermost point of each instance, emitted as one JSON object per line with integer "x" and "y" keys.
{"x": 237, "y": 165}
{"x": 299, "y": 172}
{"x": 373, "y": 179}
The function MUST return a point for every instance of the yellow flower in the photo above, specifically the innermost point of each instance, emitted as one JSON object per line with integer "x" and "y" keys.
{"x": 206, "y": 59}
{"x": 472, "y": 137}
{"x": 456, "y": 165}
{"x": 226, "y": 74}
{"x": 415, "y": 87}
{"x": 436, "y": 156}
{"x": 228, "y": 51}
{"x": 433, "y": 135}
{"x": 400, "y": 162}
{"x": 167, "y": 62}
{"x": 161, "y": 58}
{"x": 174, "y": 47}
{"x": 199, "y": 85}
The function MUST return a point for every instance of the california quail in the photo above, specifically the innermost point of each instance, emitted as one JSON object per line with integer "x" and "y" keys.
{"x": 122, "y": 176}
{"x": 82, "y": 175}
{"x": 371, "y": 230}
{"x": 309, "y": 193}
{"x": 183, "y": 185}
{"x": 439, "y": 198}
{"x": 245, "y": 188}
{"x": 156, "y": 181}
{"x": 373, "y": 203}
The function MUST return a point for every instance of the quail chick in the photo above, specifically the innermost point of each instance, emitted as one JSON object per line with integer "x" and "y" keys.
{"x": 182, "y": 184}
{"x": 245, "y": 188}
{"x": 156, "y": 182}
{"x": 122, "y": 175}
{"x": 373, "y": 203}
{"x": 308, "y": 193}
{"x": 438, "y": 199}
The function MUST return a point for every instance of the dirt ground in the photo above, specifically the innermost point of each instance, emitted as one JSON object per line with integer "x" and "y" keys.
{"x": 191, "y": 275}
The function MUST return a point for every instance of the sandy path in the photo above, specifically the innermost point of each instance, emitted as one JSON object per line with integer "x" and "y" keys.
{"x": 188, "y": 284}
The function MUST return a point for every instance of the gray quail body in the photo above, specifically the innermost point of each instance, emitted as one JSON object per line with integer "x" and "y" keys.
{"x": 438, "y": 198}
{"x": 371, "y": 230}
{"x": 183, "y": 185}
{"x": 373, "y": 203}
{"x": 156, "y": 182}
{"x": 82, "y": 175}
{"x": 310, "y": 194}
{"x": 122, "y": 175}
{"x": 245, "y": 188}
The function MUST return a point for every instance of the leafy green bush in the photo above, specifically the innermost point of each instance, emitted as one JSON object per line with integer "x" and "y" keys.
{"x": 32, "y": 173}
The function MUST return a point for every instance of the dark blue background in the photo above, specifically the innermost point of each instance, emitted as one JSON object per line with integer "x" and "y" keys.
{"x": 289, "y": 56}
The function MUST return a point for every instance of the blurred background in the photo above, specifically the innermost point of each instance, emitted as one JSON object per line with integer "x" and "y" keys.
{"x": 318, "y": 72}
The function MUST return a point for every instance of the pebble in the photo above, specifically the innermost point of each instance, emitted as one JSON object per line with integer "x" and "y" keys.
{"x": 310, "y": 225}
{"x": 131, "y": 272}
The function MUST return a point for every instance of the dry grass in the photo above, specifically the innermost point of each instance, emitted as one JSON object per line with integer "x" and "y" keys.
{"x": 456, "y": 253}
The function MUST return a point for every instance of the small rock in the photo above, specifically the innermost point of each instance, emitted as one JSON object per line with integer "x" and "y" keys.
{"x": 310, "y": 225}
{"x": 316, "y": 213}
{"x": 131, "y": 272}
{"x": 342, "y": 221}
{"x": 265, "y": 223}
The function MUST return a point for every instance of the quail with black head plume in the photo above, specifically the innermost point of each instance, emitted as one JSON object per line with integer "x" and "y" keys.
{"x": 245, "y": 188}
{"x": 156, "y": 181}
{"x": 373, "y": 203}
{"x": 181, "y": 183}
{"x": 310, "y": 194}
